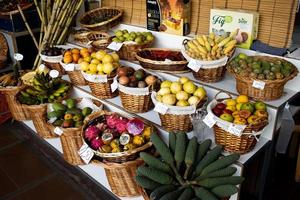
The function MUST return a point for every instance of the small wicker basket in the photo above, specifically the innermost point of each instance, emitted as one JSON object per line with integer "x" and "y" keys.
{"x": 99, "y": 40}
{"x": 101, "y": 85}
{"x": 119, "y": 157}
{"x": 74, "y": 74}
{"x": 129, "y": 50}
{"x": 273, "y": 89}
{"x": 81, "y": 36}
{"x": 53, "y": 62}
{"x": 120, "y": 177}
{"x": 178, "y": 118}
{"x": 17, "y": 110}
{"x": 108, "y": 18}
{"x": 232, "y": 143}
{"x": 163, "y": 66}
{"x": 71, "y": 140}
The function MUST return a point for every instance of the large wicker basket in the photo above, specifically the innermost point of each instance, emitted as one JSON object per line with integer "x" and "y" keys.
{"x": 232, "y": 143}
{"x": 101, "y": 89}
{"x": 17, "y": 110}
{"x": 273, "y": 89}
{"x": 210, "y": 71}
{"x": 129, "y": 50}
{"x": 163, "y": 66}
{"x": 71, "y": 140}
{"x": 178, "y": 119}
{"x": 74, "y": 74}
{"x": 121, "y": 176}
{"x": 3, "y": 51}
{"x": 120, "y": 156}
{"x": 108, "y": 18}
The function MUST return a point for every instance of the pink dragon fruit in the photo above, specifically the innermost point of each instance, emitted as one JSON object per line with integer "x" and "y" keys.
{"x": 121, "y": 124}
{"x": 96, "y": 143}
{"x": 101, "y": 126}
{"x": 91, "y": 132}
{"x": 135, "y": 127}
{"x": 112, "y": 120}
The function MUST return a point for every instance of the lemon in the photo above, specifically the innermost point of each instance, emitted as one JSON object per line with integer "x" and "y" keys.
{"x": 95, "y": 61}
{"x": 100, "y": 67}
{"x": 84, "y": 66}
{"x": 231, "y": 102}
{"x": 93, "y": 68}
{"x": 107, "y": 59}
{"x": 115, "y": 57}
{"x": 100, "y": 54}
{"x": 242, "y": 99}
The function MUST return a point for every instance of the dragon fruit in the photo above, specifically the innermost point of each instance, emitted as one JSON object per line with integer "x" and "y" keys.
{"x": 96, "y": 143}
{"x": 91, "y": 132}
{"x": 135, "y": 126}
{"x": 112, "y": 120}
{"x": 121, "y": 125}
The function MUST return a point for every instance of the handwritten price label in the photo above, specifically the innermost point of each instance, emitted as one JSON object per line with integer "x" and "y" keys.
{"x": 236, "y": 130}
{"x": 58, "y": 131}
{"x": 18, "y": 56}
{"x": 114, "y": 85}
{"x": 54, "y": 73}
{"x": 194, "y": 65}
{"x": 86, "y": 153}
{"x": 115, "y": 46}
{"x": 161, "y": 108}
{"x": 258, "y": 84}
{"x": 70, "y": 67}
{"x": 209, "y": 120}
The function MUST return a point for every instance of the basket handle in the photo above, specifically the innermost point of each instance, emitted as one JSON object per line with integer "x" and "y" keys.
{"x": 222, "y": 99}
{"x": 185, "y": 41}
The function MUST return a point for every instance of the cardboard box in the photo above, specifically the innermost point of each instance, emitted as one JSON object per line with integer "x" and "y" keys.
{"x": 169, "y": 16}
{"x": 224, "y": 21}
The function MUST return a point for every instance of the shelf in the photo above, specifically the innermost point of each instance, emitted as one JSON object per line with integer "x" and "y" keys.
{"x": 21, "y": 33}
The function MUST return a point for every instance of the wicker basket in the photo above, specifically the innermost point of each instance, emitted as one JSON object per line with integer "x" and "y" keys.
{"x": 17, "y": 110}
{"x": 129, "y": 50}
{"x": 3, "y": 51}
{"x": 120, "y": 156}
{"x": 210, "y": 71}
{"x": 120, "y": 177}
{"x": 109, "y": 17}
{"x": 53, "y": 62}
{"x": 273, "y": 89}
{"x": 232, "y": 143}
{"x": 81, "y": 36}
{"x": 162, "y": 66}
{"x": 177, "y": 118}
{"x": 71, "y": 140}
{"x": 100, "y": 40}
{"x": 23, "y": 5}
{"x": 74, "y": 74}
{"x": 101, "y": 89}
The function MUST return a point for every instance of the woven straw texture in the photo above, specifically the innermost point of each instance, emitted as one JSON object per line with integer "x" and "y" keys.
{"x": 3, "y": 51}
{"x": 113, "y": 16}
{"x": 55, "y": 66}
{"x": 16, "y": 109}
{"x": 100, "y": 39}
{"x": 136, "y": 103}
{"x": 76, "y": 78}
{"x": 128, "y": 51}
{"x": 276, "y": 17}
{"x": 120, "y": 177}
{"x": 210, "y": 75}
{"x": 103, "y": 90}
{"x": 273, "y": 89}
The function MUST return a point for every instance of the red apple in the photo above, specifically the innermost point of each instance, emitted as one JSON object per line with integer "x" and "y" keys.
{"x": 221, "y": 106}
{"x": 217, "y": 111}
{"x": 227, "y": 111}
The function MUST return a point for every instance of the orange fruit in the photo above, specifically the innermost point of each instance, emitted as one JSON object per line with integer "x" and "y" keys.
{"x": 83, "y": 50}
{"x": 67, "y": 53}
{"x": 68, "y": 59}
{"x": 75, "y": 50}
{"x": 85, "y": 54}
{"x": 75, "y": 57}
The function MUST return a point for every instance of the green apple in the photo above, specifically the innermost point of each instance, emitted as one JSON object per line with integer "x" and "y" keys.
{"x": 248, "y": 106}
{"x": 259, "y": 105}
{"x": 227, "y": 117}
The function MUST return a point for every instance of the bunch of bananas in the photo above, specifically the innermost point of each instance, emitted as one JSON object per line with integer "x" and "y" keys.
{"x": 211, "y": 47}
{"x": 44, "y": 89}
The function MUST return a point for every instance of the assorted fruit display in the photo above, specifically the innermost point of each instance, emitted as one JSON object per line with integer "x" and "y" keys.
{"x": 112, "y": 133}
{"x": 100, "y": 63}
{"x": 187, "y": 169}
{"x": 180, "y": 93}
{"x": 52, "y": 51}
{"x": 241, "y": 111}
{"x": 138, "y": 37}
{"x": 129, "y": 77}
{"x": 258, "y": 67}
{"x": 44, "y": 89}
{"x": 67, "y": 114}
{"x": 211, "y": 47}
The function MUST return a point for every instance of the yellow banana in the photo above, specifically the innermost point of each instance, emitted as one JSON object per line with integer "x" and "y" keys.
{"x": 212, "y": 35}
{"x": 224, "y": 42}
{"x": 232, "y": 42}
{"x": 200, "y": 40}
{"x": 204, "y": 38}
{"x": 207, "y": 46}
{"x": 229, "y": 48}
{"x": 211, "y": 42}
{"x": 233, "y": 34}
{"x": 219, "y": 39}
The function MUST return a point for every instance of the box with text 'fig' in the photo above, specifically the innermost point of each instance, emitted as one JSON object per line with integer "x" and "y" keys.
{"x": 224, "y": 21}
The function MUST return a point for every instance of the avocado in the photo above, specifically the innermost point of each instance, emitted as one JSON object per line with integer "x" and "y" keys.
{"x": 78, "y": 124}
{"x": 73, "y": 111}
{"x": 57, "y": 114}
{"x": 139, "y": 74}
{"x": 266, "y": 65}
{"x": 71, "y": 103}
{"x": 58, "y": 122}
{"x": 77, "y": 117}
{"x": 86, "y": 111}
{"x": 59, "y": 106}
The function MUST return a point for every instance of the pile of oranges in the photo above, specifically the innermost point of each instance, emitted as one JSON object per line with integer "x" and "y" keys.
{"x": 76, "y": 56}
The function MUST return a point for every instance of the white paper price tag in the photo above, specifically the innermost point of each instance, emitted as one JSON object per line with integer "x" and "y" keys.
{"x": 54, "y": 73}
{"x": 115, "y": 46}
{"x": 236, "y": 130}
{"x": 86, "y": 153}
{"x": 209, "y": 120}
{"x": 42, "y": 67}
{"x": 258, "y": 84}
{"x": 58, "y": 131}
{"x": 70, "y": 67}
{"x": 114, "y": 85}
{"x": 194, "y": 65}
{"x": 51, "y": 120}
{"x": 18, "y": 56}
{"x": 161, "y": 108}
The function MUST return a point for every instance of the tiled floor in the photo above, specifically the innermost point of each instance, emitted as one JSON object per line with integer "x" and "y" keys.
{"x": 26, "y": 174}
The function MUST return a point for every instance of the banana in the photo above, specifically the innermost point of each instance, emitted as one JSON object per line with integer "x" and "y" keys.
{"x": 200, "y": 40}
{"x": 211, "y": 42}
{"x": 25, "y": 94}
{"x": 219, "y": 39}
{"x": 224, "y": 42}
{"x": 229, "y": 48}
{"x": 204, "y": 38}
{"x": 32, "y": 92}
{"x": 207, "y": 46}
{"x": 212, "y": 36}
{"x": 56, "y": 94}
{"x": 232, "y": 42}
{"x": 234, "y": 33}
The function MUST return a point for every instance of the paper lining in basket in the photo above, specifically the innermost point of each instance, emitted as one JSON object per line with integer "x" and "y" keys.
{"x": 51, "y": 59}
{"x": 205, "y": 64}
{"x": 134, "y": 91}
{"x": 174, "y": 110}
{"x": 95, "y": 78}
{"x": 70, "y": 67}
